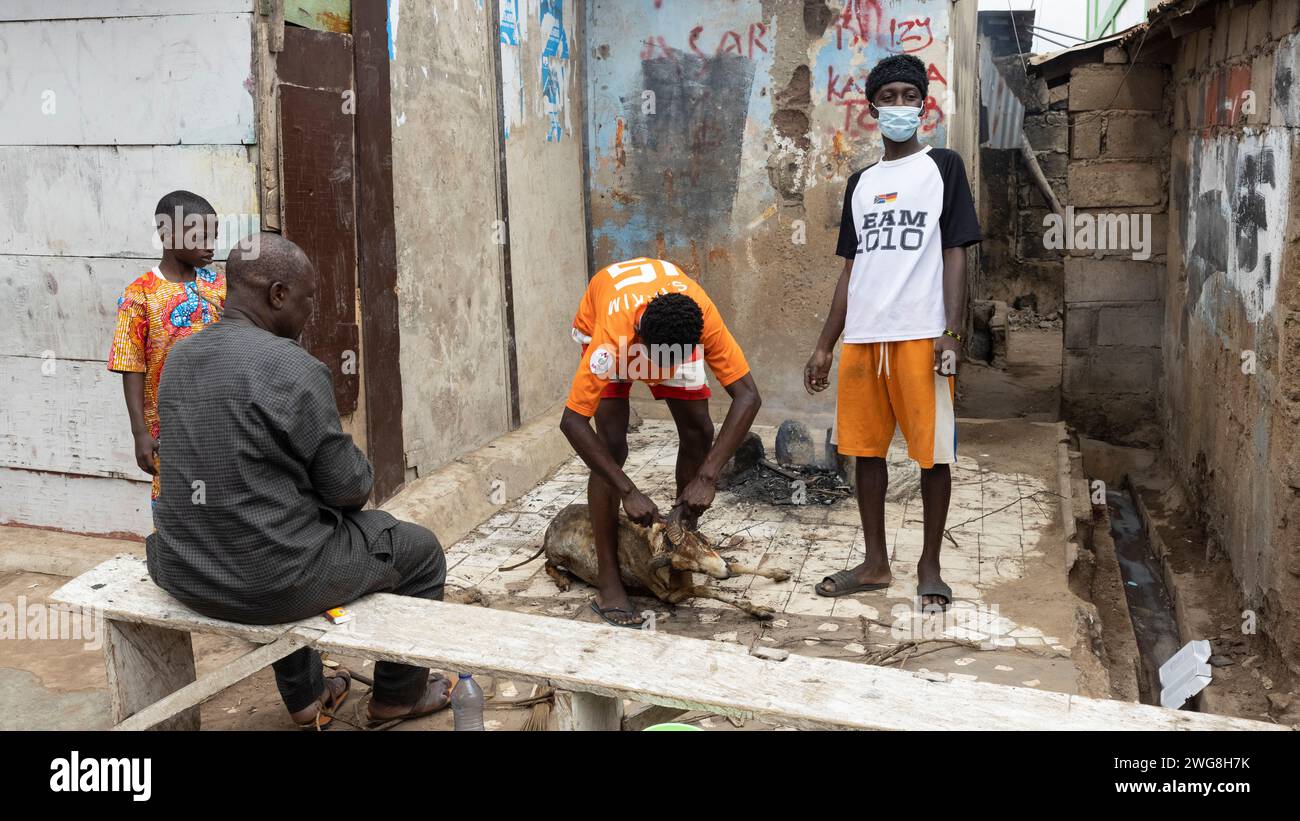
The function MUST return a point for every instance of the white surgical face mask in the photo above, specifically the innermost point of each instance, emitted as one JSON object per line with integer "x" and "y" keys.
{"x": 899, "y": 122}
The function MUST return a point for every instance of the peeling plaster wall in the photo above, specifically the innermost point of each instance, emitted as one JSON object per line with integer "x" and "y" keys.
{"x": 446, "y": 169}
{"x": 1233, "y": 298}
{"x": 541, "y": 101}
{"x": 738, "y": 171}
{"x": 455, "y": 393}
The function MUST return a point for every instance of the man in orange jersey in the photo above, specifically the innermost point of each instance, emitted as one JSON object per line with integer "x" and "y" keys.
{"x": 643, "y": 320}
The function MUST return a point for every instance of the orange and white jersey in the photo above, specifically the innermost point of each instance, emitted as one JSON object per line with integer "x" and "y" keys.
{"x": 606, "y": 325}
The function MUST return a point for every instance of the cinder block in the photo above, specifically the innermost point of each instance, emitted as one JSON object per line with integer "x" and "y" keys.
{"x": 1148, "y": 238}
{"x": 1115, "y": 184}
{"x": 1261, "y": 86}
{"x": 1053, "y": 164}
{"x": 1058, "y": 94}
{"x": 1238, "y": 31}
{"x": 1076, "y": 372}
{"x": 1048, "y": 132}
{"x": 1257, "y": 30}
{"x": 1204, "y": 40}
{"x": 1080, "y": 322}
{"x": 1219, "y": 43}
{"x": 1124, "y": 370}
{"x": 1135, "y": 136}
{"x": 1087, "y": 136}
{"x": 1286, "y": 18}
{"x": 1114, "y": 54}
{"x": 1136, "y": 324}
{"x": 1031, "y": 234}
{"x": 1095, "y": 87}
{"x": 1195, "y": 104}
{"x": 1110, "y": 280}
{"x": 1286, "y": 76}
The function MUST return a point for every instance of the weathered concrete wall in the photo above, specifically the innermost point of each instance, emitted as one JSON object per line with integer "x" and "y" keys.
{"x": 447, "y": 175}
{"x": 541, "y": 98}
{"x": 455, "y": 392}
{"x": 720, "y": 135}
{"x": 1015, "y": 265}
{"x": 1231, "y": 330}
{"x": 97, "y": 122}
{"x": 1116, "y": 200}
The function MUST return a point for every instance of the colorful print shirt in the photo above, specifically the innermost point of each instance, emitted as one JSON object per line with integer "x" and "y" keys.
{"x": 152, "y": 315}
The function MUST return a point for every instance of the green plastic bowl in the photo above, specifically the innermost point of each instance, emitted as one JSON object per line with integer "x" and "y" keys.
{"x": 672, "y": 727}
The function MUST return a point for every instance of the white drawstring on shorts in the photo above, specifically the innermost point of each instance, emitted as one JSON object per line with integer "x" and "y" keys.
{"x": 883, "y": 360}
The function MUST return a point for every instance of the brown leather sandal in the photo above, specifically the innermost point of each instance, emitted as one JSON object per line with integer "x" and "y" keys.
{"x": 328, "y": 704}
{"x": 428, "y": 704}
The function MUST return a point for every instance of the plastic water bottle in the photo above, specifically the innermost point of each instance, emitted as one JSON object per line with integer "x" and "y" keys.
{"x": 467, "y": 704}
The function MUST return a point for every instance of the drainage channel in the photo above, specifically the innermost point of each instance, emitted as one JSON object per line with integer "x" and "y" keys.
{"x": 1149, "y": 603}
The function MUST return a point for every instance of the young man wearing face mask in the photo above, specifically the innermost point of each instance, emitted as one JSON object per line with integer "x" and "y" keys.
{"x": 899, "y": 303}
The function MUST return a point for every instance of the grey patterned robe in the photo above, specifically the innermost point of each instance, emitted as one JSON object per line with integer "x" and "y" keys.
{"x": 259, "y": 518}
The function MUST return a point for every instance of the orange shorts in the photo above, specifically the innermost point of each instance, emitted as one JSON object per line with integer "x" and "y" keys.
{"x": 622, "y": 390}
{"x": 883, "y": 384}
{"x": 683, "y": 386}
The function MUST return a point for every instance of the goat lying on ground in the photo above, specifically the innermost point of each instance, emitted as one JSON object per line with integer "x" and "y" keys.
{"x": 658, "y": 560}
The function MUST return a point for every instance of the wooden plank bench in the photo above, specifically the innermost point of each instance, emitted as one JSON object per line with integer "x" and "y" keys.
{"x": 152, "y": 678}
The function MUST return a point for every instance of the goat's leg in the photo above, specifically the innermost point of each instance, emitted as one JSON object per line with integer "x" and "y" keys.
{"x": 778, "y": 574}
{"x": 558, "y": 576}
{"x": 701, "y": 591}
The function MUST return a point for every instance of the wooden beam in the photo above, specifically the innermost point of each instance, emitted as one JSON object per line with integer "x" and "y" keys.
{"x": 1030, "y": 157}
{"x": 650, "y": 715}
{"x": 649, "y": 667}
{"x": 381, "y": 367}
{"x": 192, "y": 695}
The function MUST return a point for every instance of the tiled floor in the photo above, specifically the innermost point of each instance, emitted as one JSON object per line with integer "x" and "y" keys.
{"x": 998, "y": 520}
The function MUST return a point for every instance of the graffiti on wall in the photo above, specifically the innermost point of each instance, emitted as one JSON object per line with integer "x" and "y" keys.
{"x": 693, "y": 140}
{"x": 863, "y": 33}
{"x": 1235, "y": 222}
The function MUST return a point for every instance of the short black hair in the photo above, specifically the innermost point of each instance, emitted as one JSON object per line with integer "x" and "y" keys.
{"x": 187, "y": 201}
{"x": 906, "y": 68}
{"x": 672, "y": 319}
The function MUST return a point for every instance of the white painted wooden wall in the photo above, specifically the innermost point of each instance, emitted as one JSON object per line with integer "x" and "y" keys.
{"x": 105, "y": 105}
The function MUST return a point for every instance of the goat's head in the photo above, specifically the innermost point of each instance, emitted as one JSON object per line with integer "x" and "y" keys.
{"x": 686, "y": 550}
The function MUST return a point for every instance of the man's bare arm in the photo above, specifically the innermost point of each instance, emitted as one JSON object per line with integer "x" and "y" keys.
{"x": 954, "y": 308}
{"x": 592, "y": 450}
{"x": 745, "y": 402}
{"x": 817, "y": 372}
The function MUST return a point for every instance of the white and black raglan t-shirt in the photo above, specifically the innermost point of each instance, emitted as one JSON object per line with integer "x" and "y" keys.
{"x": 899, "y": 216}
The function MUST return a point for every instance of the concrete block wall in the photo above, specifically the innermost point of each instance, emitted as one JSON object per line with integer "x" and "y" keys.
{"x": 1231, "y": 330}
{"x": 1015, "y": 266}
{"x": 1117, "y": 171}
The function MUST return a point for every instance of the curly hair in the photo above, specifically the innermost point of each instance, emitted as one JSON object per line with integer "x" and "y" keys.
{"x": 673, "y": 320}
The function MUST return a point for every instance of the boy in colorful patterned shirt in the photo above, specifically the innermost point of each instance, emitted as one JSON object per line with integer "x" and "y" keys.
{"x": 179, "y": 297}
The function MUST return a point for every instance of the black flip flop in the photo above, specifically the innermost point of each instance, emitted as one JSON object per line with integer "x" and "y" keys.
{"x": 604, "y": 615}
{"x": 846, "y": 584}
{"x": 938, "y": 588}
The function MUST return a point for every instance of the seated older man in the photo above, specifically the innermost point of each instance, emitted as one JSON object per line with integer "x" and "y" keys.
{"x": 259, "y": 519}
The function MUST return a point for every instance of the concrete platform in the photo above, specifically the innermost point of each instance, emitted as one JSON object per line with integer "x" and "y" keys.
{"x": 1013, "y": 623}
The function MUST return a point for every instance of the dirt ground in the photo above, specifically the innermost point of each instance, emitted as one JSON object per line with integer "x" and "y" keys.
{"x": 1029, "y": 387}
